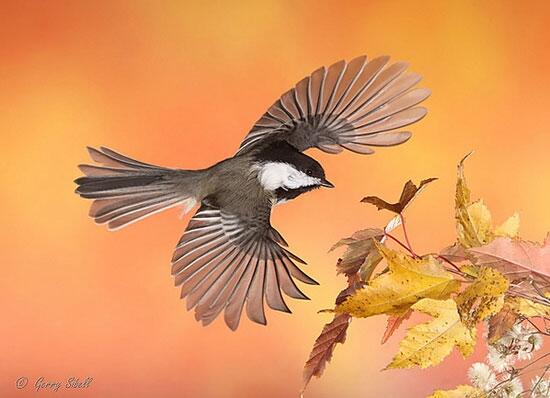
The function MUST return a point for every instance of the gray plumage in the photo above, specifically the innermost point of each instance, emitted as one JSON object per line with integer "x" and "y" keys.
{"x": 230, "y": 258}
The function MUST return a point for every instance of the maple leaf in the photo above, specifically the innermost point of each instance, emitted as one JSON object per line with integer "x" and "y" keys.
{"x": 428, "y": 343}
{"x": 517, "y": 259}
{"x": 483, "y": 297}
{"x": 332, "y": 334}
{"x": 462, "y": 391}
{"x": 360, "y": 249}
{"x": 393, "y": 324}
{"x": 474, "y": 220}
{"x": 500, "y": 323}
{"x": 407, "y": 281}
{"x": 410, "y": 191}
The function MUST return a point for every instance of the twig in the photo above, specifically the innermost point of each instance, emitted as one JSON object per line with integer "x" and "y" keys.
{"x": 538, "y": 381}
{"x": 535, "y": 361}
{"x": 536, "y": 327}
{"x": 514, "y": 292}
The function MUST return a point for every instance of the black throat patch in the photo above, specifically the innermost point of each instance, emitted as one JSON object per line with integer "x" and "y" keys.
{"x": 289, "y": 194}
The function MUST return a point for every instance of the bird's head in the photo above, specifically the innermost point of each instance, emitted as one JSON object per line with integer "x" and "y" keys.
{"x": 292, "y": 171}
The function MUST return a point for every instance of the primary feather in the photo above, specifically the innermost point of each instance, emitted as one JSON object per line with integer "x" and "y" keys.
{"x": 351, "y": 105}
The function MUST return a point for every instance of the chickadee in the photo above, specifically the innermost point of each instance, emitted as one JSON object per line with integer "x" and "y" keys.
{"x": 230, "y": 256}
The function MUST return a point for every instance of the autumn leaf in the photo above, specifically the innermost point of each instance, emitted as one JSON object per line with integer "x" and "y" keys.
{"x": 369, "y": 265}
{"x": 455, "y": 253}
{"x": 483, "y": 297}
{"x": 374, "y": 257}
{"x": 517, "y": 259}
{"x": 407, "y": 281}
{"x": 474, "y": 221}
{"x": 500, "y": 323}
{"x": 410, "y": 191}
{"x": 528, "y": 308}
{"x": 428, "y": 343}
{"x": 462, "y": 391}
{"x": 393, "y": 324}
{"x": 332, "y": 334}
{"x": 509, "y": 228}
{"x": 360, "y": 249}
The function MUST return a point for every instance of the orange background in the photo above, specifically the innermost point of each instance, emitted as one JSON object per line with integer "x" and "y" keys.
{"x": 179, "y": 85}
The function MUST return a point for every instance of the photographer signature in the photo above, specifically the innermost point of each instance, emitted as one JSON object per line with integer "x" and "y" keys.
{"x": 42, "y": 383}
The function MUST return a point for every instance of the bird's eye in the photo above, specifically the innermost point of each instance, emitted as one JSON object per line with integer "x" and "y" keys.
{"x": 309, "y": 172}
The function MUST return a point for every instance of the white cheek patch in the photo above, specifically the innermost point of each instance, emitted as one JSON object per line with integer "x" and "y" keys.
{"x": 274, "y": 175}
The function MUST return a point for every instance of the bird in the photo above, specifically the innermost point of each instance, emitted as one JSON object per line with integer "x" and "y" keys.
{"x": 230, "y": 258}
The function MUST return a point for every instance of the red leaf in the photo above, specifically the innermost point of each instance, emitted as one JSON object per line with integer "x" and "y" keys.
{"x": 359, "y": 246}
{"x": 410, "y": 190}
{"x": 393, "y": 324}
{"x": 332, "y": 334}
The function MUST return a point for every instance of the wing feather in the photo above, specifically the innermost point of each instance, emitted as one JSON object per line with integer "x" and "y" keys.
{"x": 256, "y": 290}
{"x": 224, "y": 262}
{"x": 335, "y": 107}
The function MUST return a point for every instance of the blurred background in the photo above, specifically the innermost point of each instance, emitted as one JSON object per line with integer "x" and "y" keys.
{"x": 179, "y": 84}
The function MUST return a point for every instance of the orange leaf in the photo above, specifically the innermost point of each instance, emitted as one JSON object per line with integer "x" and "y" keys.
{"x": 501, "y": 322}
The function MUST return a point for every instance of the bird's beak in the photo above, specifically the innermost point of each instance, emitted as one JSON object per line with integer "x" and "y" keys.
{"x": 327, "y": 184}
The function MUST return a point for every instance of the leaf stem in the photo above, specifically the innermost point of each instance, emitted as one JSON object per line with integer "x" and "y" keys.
{"x": 407, "y": 247}
{"x": 405, "y": 231}
{"x": 401, "y": 244}
{"x": 439, "y": 256}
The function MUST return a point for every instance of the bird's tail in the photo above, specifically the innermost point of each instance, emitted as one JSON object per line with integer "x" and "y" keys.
{"x": 125, "y": 190}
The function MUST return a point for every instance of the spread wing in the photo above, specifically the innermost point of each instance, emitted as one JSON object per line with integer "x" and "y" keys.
{"x": 352, "y": 105}
{"x": 224, "y": 261}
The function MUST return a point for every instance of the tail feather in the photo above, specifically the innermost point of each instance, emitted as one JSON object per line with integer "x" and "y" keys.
{"x": 108, "y": 186}
{"x": 138, "y": 214}
{"x": 126, "y": 190}
{"x": 107, "y": 213}
{"x": 109, "y": 157}
{"x": 104, "y": 207}
{"x": 99, "y": 171}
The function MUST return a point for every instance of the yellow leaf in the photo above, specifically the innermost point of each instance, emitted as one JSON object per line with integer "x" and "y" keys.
{"x": 476, "y": 227}
{"x": 462, "y": 391}
{"x": 428, "y": 343}
{"x": 470, "y": 269}
{"x": 369, "y": 265}
{"x": 407, "y": 281}
{"x": 483, "y": 298}
{"x": 509, "y": 228}
{"x": 471, "y": 217}
{"x": 474, "y": 221}
{"x": 527, "y": 307}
